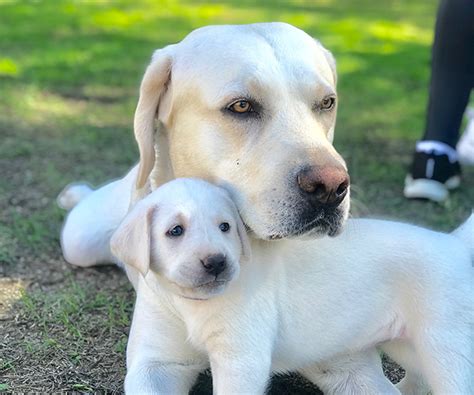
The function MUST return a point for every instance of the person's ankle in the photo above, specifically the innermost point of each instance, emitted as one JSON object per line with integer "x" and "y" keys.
{"x": 438, "y": 148}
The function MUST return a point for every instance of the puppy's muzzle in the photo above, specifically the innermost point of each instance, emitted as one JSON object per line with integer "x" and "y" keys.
{"x": 214, "y": 264}
{"x": 324, "y": 187}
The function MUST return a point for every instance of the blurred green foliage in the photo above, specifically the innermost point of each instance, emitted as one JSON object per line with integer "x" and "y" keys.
{"x": 92, "y": 49}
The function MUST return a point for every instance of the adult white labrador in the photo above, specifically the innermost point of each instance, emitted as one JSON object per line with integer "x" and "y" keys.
{"x": 184, "y": 246}
{"x": 252, "y": 108}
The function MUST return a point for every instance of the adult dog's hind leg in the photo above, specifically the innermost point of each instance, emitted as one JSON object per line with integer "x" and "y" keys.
{"x": 85, "y": 237}
{"x": 72, "y": 194}
{"x": 359, "y": 373}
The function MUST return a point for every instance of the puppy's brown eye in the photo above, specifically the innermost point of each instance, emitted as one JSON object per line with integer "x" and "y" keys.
{"x": 224, "y": 227}
{"x": 327, "y": 103}
{"x": 176, "y": 231}
{"x": 240, "y": 106}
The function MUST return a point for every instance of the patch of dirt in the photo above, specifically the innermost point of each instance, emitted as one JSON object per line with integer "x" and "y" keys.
{"x": 74, "y": 349}
{"x": 11, "y": 290}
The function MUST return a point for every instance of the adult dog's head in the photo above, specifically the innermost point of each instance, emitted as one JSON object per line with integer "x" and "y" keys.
{"x": 251, "y": 108}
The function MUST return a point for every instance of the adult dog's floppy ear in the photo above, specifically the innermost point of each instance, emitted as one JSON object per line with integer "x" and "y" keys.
{"x": 131, "y": 241}
{"x": 246, "y": 254}
{"x": 153, "y": 86}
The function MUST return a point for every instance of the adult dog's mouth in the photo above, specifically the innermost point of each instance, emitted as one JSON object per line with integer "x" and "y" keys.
{"x": 291, "y": 217}
{"x": 327, "y": 222}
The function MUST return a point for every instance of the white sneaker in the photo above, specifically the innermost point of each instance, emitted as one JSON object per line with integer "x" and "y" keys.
{"x": 434, "y": 172}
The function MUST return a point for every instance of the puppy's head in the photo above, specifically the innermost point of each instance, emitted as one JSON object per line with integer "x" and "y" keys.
{"x": 188, "y": 234}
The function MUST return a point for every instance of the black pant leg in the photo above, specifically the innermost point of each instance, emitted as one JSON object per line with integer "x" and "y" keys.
{"x": 452, "y": 70}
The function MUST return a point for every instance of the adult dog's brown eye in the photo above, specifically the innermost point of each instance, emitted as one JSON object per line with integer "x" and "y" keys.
{"x": 240, "y": 106}
{"x": 327, "y": 103}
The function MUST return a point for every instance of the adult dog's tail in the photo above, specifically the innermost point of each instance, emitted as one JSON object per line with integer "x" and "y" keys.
{"x": 466, "y": 233}
{"x": 73, "y": 194}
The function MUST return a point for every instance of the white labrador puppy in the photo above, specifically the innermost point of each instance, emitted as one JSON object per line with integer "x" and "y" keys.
{"x": 184, "y": 246}
{"x": 252, "y": 108}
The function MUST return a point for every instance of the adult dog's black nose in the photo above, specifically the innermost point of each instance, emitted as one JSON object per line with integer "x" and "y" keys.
{"x": 214, "y": 264}
{"x": 324, "y": 185}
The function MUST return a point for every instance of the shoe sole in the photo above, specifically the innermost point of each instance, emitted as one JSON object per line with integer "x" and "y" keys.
{"x": 423, "y": 188}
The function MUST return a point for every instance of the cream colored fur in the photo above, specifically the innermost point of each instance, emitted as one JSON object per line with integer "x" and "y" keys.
{"x": 184, "y": 128}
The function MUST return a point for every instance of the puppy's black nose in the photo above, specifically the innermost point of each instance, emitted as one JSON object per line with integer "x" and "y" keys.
{"x": 214, "y": 264}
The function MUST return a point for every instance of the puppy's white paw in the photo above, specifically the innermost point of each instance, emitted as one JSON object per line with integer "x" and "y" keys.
{"x": 73, "y": 194}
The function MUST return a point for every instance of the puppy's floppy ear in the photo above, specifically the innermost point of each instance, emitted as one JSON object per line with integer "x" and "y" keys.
{"x": 130, "y": 243}
{"x": 152, "y": 88}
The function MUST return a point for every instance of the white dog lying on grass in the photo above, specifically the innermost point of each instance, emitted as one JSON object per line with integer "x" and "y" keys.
{"x": 201, "y": 299}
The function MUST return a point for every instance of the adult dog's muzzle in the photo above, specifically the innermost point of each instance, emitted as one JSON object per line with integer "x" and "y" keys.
{"x": 319, "y": 206}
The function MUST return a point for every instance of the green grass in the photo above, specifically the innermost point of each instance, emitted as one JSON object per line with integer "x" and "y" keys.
{"x": 61, "y": 335}
{"x": 69, "y": 75}
{"x": 73, "y": 309}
